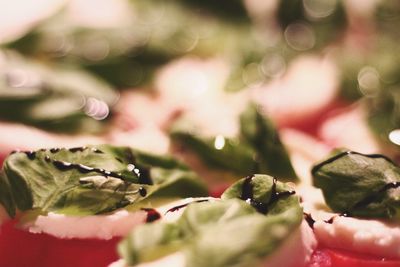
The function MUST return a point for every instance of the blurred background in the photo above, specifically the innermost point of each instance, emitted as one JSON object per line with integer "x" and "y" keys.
{"x": 158, "y": 74}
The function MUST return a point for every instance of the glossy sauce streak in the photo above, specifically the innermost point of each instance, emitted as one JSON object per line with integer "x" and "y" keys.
{"x": 309, "y": 219}
{"x": 76, "y": 149}
{"x": 143, "y": 174}
{"x": 83, "y": 148}
{"x": 142, "y": 191}
{"x": 152, "y": 215}
{"x": 176, "y": 208}
{"x": 30, "y": 154}
{"x": 54, "y": 150}
{"x": 247, "y": 195}
{"x": 65, "y": 166}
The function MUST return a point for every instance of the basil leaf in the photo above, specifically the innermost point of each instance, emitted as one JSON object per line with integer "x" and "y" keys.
{"x": 232, "y": 156}
{"x": 271, "y": 155}
{"x": 359, "y": 185}
{"x": 90, "y": 180}
{"x": 220, "y": 233}
{"x": 64, "y": 100}
{"x": 127, "y": 55}
{"x": 258, "y": 147}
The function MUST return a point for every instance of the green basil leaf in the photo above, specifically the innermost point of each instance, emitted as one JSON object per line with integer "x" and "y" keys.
{"x": 232, "y": 156}
{"x": 258, "y": 147}
{"x": 221, "y": 233}
{"x": 90, "y": 180}
{"x": 127, "y": 55}
{"x": 64, "y": 100}
{"x": 271, "y": 155}
{"x": 360, "y": 185}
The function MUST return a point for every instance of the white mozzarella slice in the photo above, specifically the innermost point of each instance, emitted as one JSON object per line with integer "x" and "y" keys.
{"x": 292, "y": 98}
{"x": 119, "y": 223}
{"x": 349, "y": 129}
{"x": 371, "y": 237}
{"x": 94, "y": 226}
{"x": 304, "y": 151}
{"x": 359, "y": 235}
{"x": 148, "y": 138}
{"x": 18, "y": 136}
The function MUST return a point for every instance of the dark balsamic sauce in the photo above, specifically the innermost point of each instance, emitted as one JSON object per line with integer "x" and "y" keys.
{"x": 77, "y": 149}
{"x": 309, "y": 219}
{"x": 143, "y": 174}
{"x": 83, "y": 148}
{"x": 247, "y": 195}
{"x": 142, "y": 191}
{"x": 97, "y": 151}
{"x": 54, "y": 150}
{"x": 152, "y": 215}
{"x": 343, "y": 154}
{"x": 330, "y": 221}
{"x": 30, "y": 154}
{"x": 65, "y": 166}
{"x": 176, "y": 208}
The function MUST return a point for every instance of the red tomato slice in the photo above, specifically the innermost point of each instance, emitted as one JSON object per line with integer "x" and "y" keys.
{"x": 340, "y": 258}
{"x": 2, "y": 157}
{"x": 312, "y": 123}
{"x": 19, "y": 248}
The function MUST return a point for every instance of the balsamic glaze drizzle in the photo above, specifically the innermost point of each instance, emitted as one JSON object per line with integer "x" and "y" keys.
{"x": 54, "y": 150}
{"x": 65, "y": 166}
{"x": 309, "y": 219}
{"x": 143, "y": 174}
{"x": 345, "y": 153}
{"x": 142, "y": 191}
{"x": 330, "y": 220}
{"x": 152, "y": 215}
{"x": 176, "y": 208}
{"x": 30, "y": 154}
{"x": 83, "y": 148}
{"x": 248, "y": 196}
{"x": 77, "y": 149}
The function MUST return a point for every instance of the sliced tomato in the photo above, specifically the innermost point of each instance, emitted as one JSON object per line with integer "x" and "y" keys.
{"x": 19, "y": 248}
{"x": 340, "y": 258}
{"x": 312, "y": 123}
{"x": 2, "y": 157}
